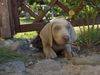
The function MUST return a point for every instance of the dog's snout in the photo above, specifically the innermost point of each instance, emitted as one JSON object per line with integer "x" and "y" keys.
{"x": 65, "y": 37}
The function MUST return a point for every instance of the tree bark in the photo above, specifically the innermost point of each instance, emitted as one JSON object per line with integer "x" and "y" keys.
{"x": 4, "y": 19}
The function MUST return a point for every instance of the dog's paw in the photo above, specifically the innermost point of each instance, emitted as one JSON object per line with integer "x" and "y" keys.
{"x": 68, "y": 55}
{"x": 51, "y": 54}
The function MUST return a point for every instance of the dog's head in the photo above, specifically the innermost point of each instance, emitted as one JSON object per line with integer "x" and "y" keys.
{"x": 59, "y": 30}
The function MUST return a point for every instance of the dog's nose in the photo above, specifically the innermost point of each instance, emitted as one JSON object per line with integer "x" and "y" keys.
{"x": 66, "y": 37}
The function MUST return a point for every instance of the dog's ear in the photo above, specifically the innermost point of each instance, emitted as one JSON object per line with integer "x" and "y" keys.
{"x": 72, "y": 33}
{"x": 46, "y": 34}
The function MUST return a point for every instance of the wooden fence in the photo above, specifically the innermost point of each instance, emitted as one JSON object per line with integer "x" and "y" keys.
{"x": 9, "y": 16}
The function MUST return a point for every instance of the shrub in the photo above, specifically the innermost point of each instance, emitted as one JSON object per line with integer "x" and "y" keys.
{"x": 89, "y": 36}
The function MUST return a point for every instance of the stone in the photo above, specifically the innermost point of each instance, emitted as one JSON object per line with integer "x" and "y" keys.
{"x": 52, "y": 67}
{"x": 21, "y": 45}
{"x": 5, "y": 43}
{"x": 8, "y": 43}
{"x": 1, "y": 43}
{"x": 44, "y": 66}
{"x": 12, "y": 68}
{"x": 94, "y": 59}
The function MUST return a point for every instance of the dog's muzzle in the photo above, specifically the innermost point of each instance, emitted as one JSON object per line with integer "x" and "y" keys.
{"x": 66, "y": 38}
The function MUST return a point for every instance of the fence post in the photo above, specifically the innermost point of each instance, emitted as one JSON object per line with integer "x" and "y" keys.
{"x": 5, "y": 31}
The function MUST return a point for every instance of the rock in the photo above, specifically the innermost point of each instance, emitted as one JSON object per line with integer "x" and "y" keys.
{"x": 15, "y": 45}
{"x": 44, "y": 66}
{"x": 21, "y": 45}
{"x": 94, "y": 59}
{"x": 12, "y": 68}
{"x": 52, "y": 67}
{"x": 8, "y": 43}
{"x": 1, "y": 43}
{"x": 5, "y": 43}
{"x": 70, "y": 69}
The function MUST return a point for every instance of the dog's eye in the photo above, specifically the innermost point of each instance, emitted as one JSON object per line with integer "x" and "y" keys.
{"x": 57, "y": 28}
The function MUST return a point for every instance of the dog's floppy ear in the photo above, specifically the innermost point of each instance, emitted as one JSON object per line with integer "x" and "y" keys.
{"x": 72, "y": 32}
{"x": 46, "y": 34}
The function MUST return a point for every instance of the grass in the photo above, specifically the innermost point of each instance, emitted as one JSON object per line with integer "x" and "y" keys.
{"x": 7, "y": 55}
{"x": 26, "y": 35}
{"x": 88, "y": 36}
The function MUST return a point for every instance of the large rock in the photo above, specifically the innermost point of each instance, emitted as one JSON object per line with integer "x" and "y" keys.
{"x": 12, "y": 68}
{"x": 44, "y": 66}
{"x": 19, "y": 45}
{"x": 93, "y": 59}
{"x": 52, "y": 67}
{"x": 5, "y": 43}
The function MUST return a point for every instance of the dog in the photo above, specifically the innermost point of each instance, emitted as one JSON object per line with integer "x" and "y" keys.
{"x": 58, "y": 36}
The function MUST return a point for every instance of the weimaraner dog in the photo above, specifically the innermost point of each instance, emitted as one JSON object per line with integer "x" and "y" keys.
{"x": 58, "y": 35}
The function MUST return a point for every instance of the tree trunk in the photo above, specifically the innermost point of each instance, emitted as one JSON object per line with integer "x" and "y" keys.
{"x": 4, "y": 19}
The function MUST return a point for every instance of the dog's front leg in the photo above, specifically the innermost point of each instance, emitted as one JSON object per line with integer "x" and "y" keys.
{"x": 68, "y": 52}
{"x": 48, "y": 51}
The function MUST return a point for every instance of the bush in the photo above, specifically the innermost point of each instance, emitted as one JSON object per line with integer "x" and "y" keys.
{"x": 89, "y": 36}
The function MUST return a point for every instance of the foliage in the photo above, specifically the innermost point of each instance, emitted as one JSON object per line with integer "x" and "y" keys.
{"x": 71, "y": 3}
{"x": 38, "y": 1}
{"x": 7, "y": 55}
{"x": 25, "y": 20}
{"x": 28, "y": 35}
{"x": 39, "y": 5}
{"x": 89, "y": 37}
{"x": 88, "y": 12}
